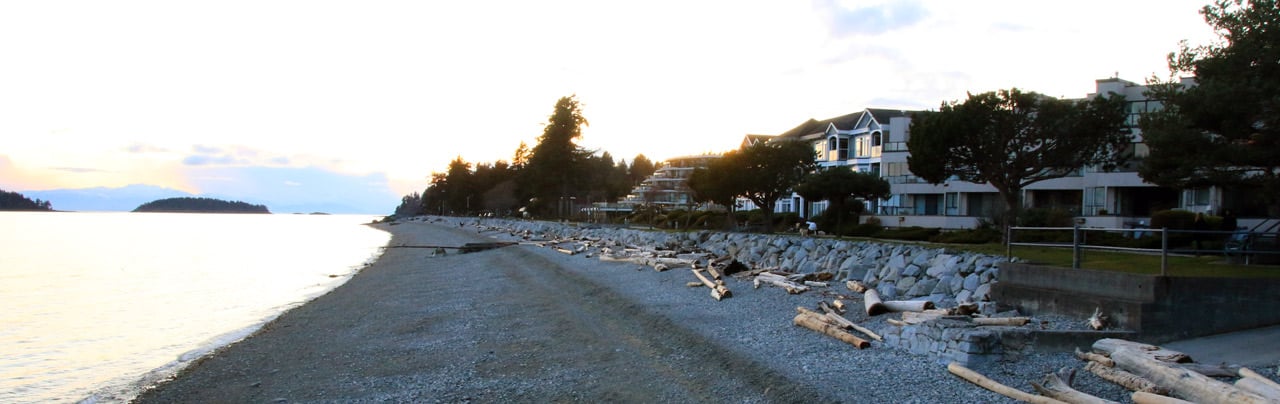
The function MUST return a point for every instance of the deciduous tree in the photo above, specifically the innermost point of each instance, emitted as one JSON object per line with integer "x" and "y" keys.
{"x": 1011, "y": 139}
{"x": 769, "y": 170}
{"x": 840, "y": 185}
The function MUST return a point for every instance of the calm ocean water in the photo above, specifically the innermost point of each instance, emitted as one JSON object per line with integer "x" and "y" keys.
{"x": 98, "y": 305}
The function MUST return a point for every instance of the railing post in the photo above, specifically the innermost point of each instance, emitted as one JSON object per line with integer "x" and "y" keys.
{"x": 1075, "y": 247}
{"x": 1164, "y": 251}
{"x": 1008, "y": 242}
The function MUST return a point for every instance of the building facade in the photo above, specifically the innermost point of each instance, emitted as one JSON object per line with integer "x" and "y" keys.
{"x": 875, "y": 140}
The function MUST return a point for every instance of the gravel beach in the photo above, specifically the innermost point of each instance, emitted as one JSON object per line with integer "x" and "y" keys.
{"x": 529, "y": 324}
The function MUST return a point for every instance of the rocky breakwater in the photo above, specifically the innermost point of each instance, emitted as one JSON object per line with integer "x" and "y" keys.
{"x": 896, "y": 271}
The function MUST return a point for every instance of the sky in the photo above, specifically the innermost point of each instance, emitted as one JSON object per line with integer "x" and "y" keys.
{"x": 246, "y": 98}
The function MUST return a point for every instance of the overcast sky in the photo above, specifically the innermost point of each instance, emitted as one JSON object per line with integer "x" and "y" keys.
{"x": 208, "y": 95}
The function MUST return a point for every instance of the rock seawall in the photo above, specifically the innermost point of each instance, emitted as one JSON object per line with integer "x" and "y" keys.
{"x": 897, "y": 271}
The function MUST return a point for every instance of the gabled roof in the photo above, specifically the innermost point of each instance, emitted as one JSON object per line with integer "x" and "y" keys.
{"x": 843, "y": 122}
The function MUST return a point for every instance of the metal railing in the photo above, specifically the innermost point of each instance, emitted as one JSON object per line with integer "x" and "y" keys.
{"x": 1237, "y": 246}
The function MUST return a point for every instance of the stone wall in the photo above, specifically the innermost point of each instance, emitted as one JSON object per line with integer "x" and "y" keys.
{"x": 961, "y": 341}
{"x": 897, "y": 271}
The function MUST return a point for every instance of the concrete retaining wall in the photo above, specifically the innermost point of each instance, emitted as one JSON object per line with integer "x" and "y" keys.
{"x": 1159, "y": 308}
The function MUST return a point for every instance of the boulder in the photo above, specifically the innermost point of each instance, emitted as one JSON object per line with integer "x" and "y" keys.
{"x": 971, "y": 282}
{"x": 982, "y": 293}
{"x": 923, "y": 287}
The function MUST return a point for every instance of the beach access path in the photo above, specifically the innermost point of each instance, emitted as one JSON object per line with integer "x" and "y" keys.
{"x": 528, "y": 324}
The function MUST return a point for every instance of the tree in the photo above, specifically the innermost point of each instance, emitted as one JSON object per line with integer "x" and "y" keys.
{"x": 555, "y": 168}
{"x": 768, "y": 171}
{"x": 641, "y": 168}
{"x": 17, "y": 201}
{"x": 840, "y": 185}
{"x": 1225, "y": 130}
{"x": 1011, "y": 139}
{"x": 716, "y": 183}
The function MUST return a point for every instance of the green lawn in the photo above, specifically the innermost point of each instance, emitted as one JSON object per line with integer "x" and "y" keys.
{"x": 1207, "y": 265}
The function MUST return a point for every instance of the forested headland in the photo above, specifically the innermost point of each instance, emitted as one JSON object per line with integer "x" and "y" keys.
{"x": 17, "y": 201}
{"x": 200, "y": 205}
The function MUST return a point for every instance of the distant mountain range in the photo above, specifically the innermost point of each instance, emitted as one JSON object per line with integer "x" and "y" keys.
{"x": 127, "y": 198}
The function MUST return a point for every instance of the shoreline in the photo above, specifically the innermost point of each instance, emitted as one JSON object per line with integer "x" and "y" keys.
{"x": 531, "y": 324}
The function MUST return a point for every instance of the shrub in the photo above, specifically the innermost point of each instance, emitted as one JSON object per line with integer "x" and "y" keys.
{"x": 913, "y": 233}
{"x": 1045, "y": 217}
{"x": 981, "y": 235}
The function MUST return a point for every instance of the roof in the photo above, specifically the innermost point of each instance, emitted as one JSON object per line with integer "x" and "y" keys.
{"x": 843, "y": 122}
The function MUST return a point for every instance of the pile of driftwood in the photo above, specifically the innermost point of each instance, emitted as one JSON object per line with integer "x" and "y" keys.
{"x": 919, "y": 311}
{"x": 1154, "y": 374}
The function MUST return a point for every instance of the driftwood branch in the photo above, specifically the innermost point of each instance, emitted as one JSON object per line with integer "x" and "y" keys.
{"x": 1142, "y": 397}
{"x": 986, "y": 383}
{"x": 1090, "y": 356}
{"x": 1056, "y": 388}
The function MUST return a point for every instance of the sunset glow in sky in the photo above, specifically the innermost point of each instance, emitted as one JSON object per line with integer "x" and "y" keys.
{"x": 210, "y": 95}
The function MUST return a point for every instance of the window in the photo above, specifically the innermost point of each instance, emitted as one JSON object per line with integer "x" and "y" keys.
{"x": 953, "y": 203}
{"x": 875, "y": 139}
{"x": 1095, "y": 201}
{"x": 843, "y": 149}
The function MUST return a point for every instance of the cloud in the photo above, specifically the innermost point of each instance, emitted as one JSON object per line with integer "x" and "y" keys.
{"x": 139, "y": 147}
{"x": 206, "y": 160}
{"x": 871, "y": 20}
{"x": 203, "y": 155}
{"x": 79, "y": 170}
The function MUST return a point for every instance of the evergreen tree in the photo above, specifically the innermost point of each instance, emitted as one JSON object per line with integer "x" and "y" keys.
{"x": 1225, "y": 130}
{"x": 554, "y": 173}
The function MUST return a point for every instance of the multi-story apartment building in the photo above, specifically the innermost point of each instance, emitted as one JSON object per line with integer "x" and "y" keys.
{"x": 668, "y": 187}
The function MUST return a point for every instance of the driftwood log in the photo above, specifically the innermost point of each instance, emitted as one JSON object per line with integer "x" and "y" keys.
{"x": 1183, "y": 383}
{"x": 844, "y": 322}
{"x": 1124, "y": 379}
{"x": 839, "y": 306}
{"x": 872, "y": 303}
{"x": 1090, "y": 356}
{"x": 767, "y": 278}
{"x": 1142, "y": 397}
{"x": 908, "y": 305}
{"x": 718, "y": 290}
{"x": 1056, "y": 388}
{"x": 986, "y": 383}
{"x": 1259, "y": 387}
{"x": 815, "y": 322}
{"x": 1006, "y": 321}
{"x": 1110, "y": 345}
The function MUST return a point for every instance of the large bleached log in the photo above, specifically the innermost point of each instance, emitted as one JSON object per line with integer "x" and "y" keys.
{"x": 814, "y": 322}
{"x": 1182, "y": 383}
{"x": 1090, "y": 356}
{"x": 1259, "y": 387}
{"x": 1056, "y": 388}
{"x": 908, "y": 305}
{"x": 844, "y": 322}
{"x": 1109, "y": 345}
{"x": 1006, "y": 321}
{"x": 871, "y": 302}
{"x": 1124, "y": 379}
{"x": 986, "y": 383}
{"x": 1142, "y": 397}
{"x": 1246, "y": 372}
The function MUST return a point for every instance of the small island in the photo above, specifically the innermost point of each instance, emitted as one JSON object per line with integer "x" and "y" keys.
{"x": 18, "y": 202}
{"x": 200, "y": 205}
